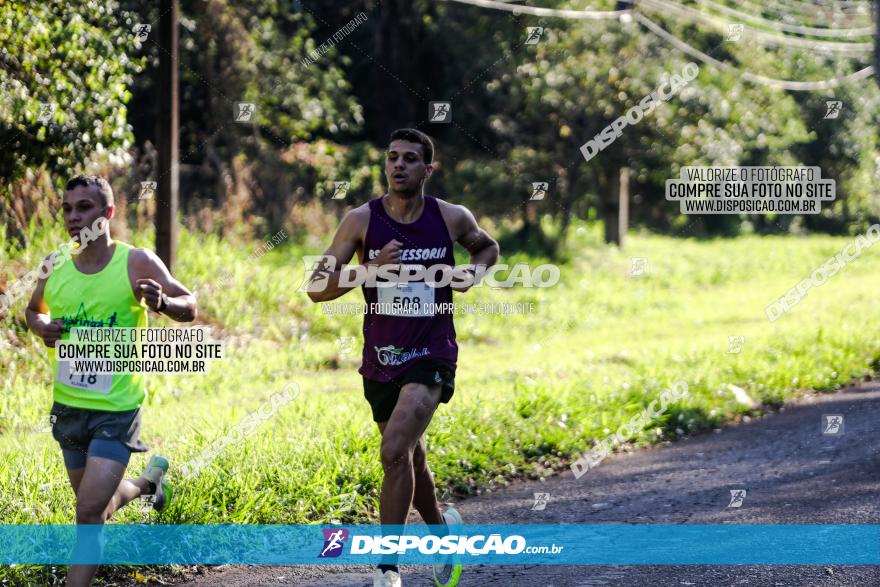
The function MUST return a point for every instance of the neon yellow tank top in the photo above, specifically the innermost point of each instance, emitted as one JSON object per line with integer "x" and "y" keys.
{"x": 101, "y": 300}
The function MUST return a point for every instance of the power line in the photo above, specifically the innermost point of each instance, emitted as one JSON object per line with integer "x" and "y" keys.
{"x": 799, "y": 14}
{"x": 773, "y": 38}
{"x": 683, "y": 46}
{"x": 748, "y": 76}
{"x": 536, "y": 11}
{"x": 790, "y": 28}
{"x": 842, "y": 5}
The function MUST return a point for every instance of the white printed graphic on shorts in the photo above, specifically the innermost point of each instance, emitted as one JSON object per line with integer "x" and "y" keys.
{"x": 392, "y": 356}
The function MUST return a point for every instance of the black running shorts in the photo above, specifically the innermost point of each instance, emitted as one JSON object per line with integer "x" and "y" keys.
{"x": 76, "y": 429}
{"x": 383, "y": 395}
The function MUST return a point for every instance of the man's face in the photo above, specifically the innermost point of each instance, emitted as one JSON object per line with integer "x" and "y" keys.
{"x": 405, "y": 168}
{"x": 81, "y": 207}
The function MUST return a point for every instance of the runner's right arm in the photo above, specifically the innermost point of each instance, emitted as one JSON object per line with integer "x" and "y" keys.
{"x": 324, "y": 282}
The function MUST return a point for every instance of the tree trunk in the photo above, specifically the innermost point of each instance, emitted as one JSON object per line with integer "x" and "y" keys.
{"x": 398, "y": 49}
{"x": 567, "y": 204}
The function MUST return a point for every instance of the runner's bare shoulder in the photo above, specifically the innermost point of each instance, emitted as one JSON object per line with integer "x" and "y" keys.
{"x": 457, "y": 217}
{"x": 353, "y": 226}
{"x": 142, "y": 262}
{"x": 146, "y": 264}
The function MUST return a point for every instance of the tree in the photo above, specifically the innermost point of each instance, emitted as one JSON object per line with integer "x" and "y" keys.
{"x": 65, "y": 70}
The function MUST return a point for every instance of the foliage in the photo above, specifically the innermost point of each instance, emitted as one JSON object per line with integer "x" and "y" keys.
{"x": 520, "y": 111}
{"x": 66, "y": 71}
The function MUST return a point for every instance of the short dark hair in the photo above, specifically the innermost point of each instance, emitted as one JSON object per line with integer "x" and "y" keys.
{"x": 416, "y": 136}
{"x": 92, "y": 180}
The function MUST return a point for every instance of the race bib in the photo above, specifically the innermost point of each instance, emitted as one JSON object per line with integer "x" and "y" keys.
{"x": 96, "y": 382}
{"x": 412, "y": 300}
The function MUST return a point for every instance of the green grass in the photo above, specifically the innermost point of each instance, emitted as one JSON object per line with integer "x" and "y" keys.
{"x": 532, "y": 392}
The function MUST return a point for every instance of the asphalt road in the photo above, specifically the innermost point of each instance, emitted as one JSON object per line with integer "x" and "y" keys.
{"x": 793, "y": 474}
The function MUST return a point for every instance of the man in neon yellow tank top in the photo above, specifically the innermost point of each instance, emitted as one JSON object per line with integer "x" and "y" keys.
{"x": 96, "y": 418}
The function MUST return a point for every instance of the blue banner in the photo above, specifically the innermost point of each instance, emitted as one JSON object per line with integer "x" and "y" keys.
{"x": 587, "y": 544}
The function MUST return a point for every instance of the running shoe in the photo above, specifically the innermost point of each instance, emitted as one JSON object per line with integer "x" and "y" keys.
{"x": 448, "y": 573}
{"x": 155, "y": 473}
{"x": 386, "y": 579}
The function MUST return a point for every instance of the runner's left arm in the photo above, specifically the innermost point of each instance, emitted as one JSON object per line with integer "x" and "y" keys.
{"x": 162, "y": 292}
{"x": 483, "y": 248}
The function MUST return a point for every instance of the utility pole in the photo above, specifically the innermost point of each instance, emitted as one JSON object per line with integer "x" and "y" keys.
{"x": 616, "y": 207}
{"x": 167, "y": 135}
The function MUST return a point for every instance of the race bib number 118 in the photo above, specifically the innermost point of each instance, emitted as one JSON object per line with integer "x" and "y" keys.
{"x": 96, "y": 382}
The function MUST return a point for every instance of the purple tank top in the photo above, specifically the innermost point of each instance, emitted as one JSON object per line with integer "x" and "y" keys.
{"x": 394, "y": 343}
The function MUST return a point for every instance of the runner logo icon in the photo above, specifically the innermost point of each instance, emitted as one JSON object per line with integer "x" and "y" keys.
{"x": 334, "y": 540}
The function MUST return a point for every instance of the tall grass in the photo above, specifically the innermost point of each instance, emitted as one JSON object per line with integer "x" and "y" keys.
{"x": 532, "y": 391}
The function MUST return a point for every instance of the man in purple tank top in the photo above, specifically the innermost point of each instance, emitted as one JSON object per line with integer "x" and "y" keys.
{"x": 410, "y": 353}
